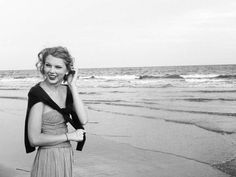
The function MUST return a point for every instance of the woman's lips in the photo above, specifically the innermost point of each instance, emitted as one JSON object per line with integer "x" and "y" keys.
{"x": 52, "y": 77}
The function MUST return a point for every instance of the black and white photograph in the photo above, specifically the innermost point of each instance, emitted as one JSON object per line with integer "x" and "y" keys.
{"x": 128, "y": 88}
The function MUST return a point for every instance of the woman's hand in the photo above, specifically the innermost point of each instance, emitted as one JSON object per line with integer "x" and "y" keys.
{"x": 72, "y": 77}
{"x": 78, "y": 105}
{"x": 77, "y": 135}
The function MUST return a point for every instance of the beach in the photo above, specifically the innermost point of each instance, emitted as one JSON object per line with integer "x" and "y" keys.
{"x": 147, "y": 121}
{"x": 162, "y": 137}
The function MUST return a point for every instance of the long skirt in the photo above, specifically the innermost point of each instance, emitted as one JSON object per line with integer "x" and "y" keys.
{"x": 53, "y": 162}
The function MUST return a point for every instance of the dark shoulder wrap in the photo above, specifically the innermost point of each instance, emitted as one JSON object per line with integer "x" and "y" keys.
{"x": 37, "y": 94}
{"x": 33, "y": 98}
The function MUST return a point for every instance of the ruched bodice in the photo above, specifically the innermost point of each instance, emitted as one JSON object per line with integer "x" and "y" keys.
{"x": 53, "y": 123}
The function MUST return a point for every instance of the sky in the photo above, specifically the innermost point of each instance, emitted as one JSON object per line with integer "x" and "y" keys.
{"x": 124, "y": 33}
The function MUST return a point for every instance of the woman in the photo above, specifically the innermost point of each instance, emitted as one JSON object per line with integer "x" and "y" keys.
{"x": 51, "y": 104}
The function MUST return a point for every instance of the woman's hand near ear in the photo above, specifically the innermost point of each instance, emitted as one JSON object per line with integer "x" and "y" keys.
{"x": 77, "y": 102}
{"x": 72, "y": 77}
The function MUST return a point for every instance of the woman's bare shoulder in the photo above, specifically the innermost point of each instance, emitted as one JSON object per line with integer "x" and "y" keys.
{"x": 38, "y": 106}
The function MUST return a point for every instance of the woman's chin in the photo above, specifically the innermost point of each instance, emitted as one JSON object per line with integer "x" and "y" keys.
{"x": 53, "y": 81}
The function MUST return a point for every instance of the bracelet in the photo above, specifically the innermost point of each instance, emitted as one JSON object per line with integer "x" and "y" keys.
{"x": 66, "y": 137}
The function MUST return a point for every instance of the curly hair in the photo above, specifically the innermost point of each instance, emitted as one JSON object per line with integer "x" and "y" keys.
{"x": 58, "y": 52}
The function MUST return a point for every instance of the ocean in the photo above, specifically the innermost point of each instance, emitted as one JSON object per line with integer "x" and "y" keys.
{"x": 205, "y": 76}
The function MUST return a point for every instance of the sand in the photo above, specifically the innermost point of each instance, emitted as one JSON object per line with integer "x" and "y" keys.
{"x": 119, "y": 145}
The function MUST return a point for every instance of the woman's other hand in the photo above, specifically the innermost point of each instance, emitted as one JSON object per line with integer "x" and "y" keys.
{"x": 77, "y": 135}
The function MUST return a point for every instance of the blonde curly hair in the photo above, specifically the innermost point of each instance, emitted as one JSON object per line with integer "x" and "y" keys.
{"x": 58, "y": 52}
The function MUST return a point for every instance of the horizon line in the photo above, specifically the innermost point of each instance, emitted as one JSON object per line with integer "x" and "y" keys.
{"x": 131, "y": 66}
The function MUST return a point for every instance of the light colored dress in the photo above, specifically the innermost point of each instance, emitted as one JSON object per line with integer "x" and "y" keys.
{"x": 55, "y": 160}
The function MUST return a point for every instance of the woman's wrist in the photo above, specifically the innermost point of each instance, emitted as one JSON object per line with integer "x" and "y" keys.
{"x": 67, "y": 138}
{"x": 72, "y": 87}
{"x": 74, "y": 90}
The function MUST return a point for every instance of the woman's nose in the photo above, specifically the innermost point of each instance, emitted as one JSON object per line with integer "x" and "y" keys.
{"x": 52, "y": 70}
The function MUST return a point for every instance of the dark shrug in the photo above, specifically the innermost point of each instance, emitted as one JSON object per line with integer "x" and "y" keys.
{"x": 37, "y": 94}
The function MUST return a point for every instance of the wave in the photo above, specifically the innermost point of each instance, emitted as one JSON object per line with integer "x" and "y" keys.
{"x": 207, "y": 99}
{"x": 173, "y": 76}
{"x": 89, "y": 77}
{"x": 102, "y": 101}
{"x": 164, "y": 109}
{"x": 125, "y": 114}
{"x": 149, "y": 77}
{"x": 199, "y": 76}
{"x": 209, "y": 76}
{"x": 131, "y": 77}
{"x": 109, "y": 77}
{"x": 10, "y": 88}
{"x": 20, "y": 77}
{"x": 141, "y": 77}
{"x": 203, "y": 125}
{"x": 88, "y": 93}
{"x": 233, "y": 76}
{"x": 13, "y": 97}
{"x": 200, "y": 112}
{"x": 213, "y": 91}
{"x": 166, "y": 86}
{"x": 167, "y": 76}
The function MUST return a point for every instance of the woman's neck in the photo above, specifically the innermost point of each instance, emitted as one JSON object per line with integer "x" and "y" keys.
{"x": 52, "y": 87}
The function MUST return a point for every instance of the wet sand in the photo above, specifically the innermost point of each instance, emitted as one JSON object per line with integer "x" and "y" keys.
{"x": 125, "y": 145}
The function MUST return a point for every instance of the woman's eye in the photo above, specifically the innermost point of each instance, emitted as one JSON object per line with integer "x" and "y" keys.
{"x": 47, "y": 65}
{"x": 58, "y": 67}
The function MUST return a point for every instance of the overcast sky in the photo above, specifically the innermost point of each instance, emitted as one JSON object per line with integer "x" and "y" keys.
{"x": 119, "y": 33}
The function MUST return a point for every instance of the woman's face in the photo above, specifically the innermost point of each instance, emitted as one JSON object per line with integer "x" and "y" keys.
{"x": 54, "y": 70}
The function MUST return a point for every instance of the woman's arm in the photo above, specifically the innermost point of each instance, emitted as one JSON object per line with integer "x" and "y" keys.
{"x": 37, "y": 138}
{"x": 78, "y": 105}
{"x": 77, "y": 102}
